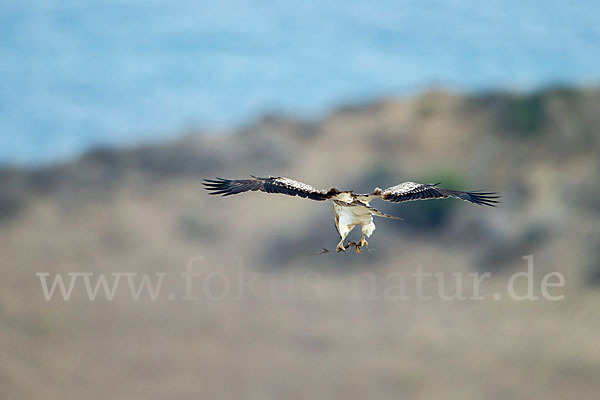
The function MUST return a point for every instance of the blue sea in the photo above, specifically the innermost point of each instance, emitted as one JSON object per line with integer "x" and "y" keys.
{"x": 75, "y": 74}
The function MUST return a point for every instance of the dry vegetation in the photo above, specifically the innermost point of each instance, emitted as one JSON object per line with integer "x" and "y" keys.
{"x": 143, "y": 210}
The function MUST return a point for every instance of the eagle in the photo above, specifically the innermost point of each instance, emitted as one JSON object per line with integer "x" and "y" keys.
{"x": 350, "y": 209}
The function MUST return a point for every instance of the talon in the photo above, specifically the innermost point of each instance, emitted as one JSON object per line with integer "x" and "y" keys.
{"x": 363, "y": 242}
{"x": 357, "y": 248}
{"x": 340, "y": 248}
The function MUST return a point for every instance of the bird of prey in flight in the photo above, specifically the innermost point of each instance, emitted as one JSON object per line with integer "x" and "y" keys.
{"x": 350, "y": 209}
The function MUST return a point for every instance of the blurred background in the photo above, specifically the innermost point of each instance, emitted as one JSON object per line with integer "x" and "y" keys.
{"x": 112, "y": 112}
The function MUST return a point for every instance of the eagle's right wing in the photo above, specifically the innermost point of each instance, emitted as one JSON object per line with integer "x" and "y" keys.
{"x": 227, "y": 187}
{"x": 409, "y": 191}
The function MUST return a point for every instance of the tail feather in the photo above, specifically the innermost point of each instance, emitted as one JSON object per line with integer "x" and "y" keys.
{"x": 375, "y": 211}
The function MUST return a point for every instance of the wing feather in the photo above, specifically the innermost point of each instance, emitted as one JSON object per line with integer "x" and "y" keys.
{"x": 409, "y": 191}
{"x": 228, "y": 187}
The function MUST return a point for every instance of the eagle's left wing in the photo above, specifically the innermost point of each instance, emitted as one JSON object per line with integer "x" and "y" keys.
{"x": 227, "y": 187}
{"x": 408, "y": 191}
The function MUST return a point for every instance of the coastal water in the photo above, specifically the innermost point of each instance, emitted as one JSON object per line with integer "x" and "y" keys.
{"x": 74, "y": 74}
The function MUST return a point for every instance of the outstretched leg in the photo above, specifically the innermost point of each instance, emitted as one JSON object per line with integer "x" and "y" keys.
{"x": 340, "y": 246}
{"x": 367, "y": 230}
{"x": 344, "y": 231}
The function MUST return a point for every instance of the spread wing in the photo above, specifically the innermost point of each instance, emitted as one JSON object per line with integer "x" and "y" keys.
{"x": 227, "y": 187}
{"x": 409, "y": 191}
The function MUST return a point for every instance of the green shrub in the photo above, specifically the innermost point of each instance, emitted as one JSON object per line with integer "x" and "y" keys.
{"x": 522, "y": 115}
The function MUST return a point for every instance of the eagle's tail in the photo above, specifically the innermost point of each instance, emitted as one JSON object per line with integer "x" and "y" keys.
{"x": 375, "y": 211}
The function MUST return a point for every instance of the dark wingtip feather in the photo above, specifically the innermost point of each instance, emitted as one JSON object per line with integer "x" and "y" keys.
{"x": 216, "y": 186}
{"x": 481, "y": 198}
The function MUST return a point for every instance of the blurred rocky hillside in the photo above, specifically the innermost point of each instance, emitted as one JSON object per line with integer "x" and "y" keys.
{"x": 540, "y": 150}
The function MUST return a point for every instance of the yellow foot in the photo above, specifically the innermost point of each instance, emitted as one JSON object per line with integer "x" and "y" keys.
{"x": 363, "y": 242}
{"x": 355, "y": 245}
{"x": 340, "y": 248}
